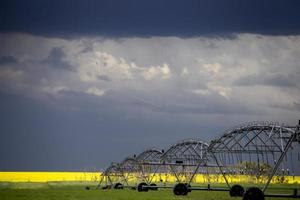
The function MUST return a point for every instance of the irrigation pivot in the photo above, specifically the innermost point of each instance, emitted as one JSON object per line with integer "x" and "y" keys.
{"x": 257, "y": 149}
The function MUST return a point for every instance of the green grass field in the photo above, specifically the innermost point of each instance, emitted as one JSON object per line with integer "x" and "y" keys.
{"x": 76, "y": 191}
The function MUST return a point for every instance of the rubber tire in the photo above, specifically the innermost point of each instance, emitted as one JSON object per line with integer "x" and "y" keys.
{"x": 236, "y": 191}
{"x": 118, "y": 186}
{"x": 254, "y": 193}
{"x": 140, "y": 187}
{"x": 153, "y": 184}
{"x": 180, "y": 189}
{"x": 189, "y": 187}
{"x": 105, "y": 187}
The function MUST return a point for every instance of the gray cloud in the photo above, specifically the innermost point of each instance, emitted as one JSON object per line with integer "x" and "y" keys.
{"x": 5, "y": 60}
{"x": 296, "y": 105}
{"x": 276, "y": 80}
{"x": 293, "y": 106}
{"x": 56, "y": 60}
{"x": 144, "y": 90}
{"x": 212, "y": 104}
{"x": 167, "y": 74}
{"x": 104, "y": 78}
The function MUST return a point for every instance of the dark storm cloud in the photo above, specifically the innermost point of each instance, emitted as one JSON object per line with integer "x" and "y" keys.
{"x": 146, "y": 91}
{"x": 147, "y": 18}
{"x": 46, "y": 137}
{"x": 55, "y": 59}
{"x": 276, "y": 80}
{"x": 104, "y": 78}
{"x": 4, "y": 60}
{"x": 212, "y": 104}
{"x": 294, "y": 106}
{"x": 55, "y": 146}
{"x": 281, "y": 81}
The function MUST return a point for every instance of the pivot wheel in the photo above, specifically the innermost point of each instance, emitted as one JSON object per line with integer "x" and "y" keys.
{"x": 118, "y": 186}
{"x": 189, "y": 187}
{"x": 141, "y": 187}
{"x": 180, "y": 189}
{"x": 254, "y": 193}
{"x": 154, "y": 186}
{"x": 236, "y": 191}
{"x": 106, "y": 187}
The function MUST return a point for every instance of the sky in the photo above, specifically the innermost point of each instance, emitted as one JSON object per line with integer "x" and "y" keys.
{"x": 87, "y": 83}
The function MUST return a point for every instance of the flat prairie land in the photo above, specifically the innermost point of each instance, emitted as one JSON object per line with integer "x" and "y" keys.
{"x": 77, "y": 191}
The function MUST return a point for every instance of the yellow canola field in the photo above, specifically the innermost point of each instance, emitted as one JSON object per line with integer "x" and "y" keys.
{"x": 96, "y": 176}
{"x": 48, "y": 176}
{"x": 217, "y": 178}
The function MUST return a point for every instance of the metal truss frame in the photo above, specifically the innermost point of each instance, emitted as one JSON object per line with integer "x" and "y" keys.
{"x": 257, "y": 142}
{"x": 182, "y": 157}
{"x": 139, "y": 167}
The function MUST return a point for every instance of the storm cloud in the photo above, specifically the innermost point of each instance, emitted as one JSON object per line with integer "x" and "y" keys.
{"x": 130, "y": 18}
{"x": 6, "y": 60}
{"x": 79, "y": 79}
{"x": 55, "y": 59}
{"x": 79, "y": 96}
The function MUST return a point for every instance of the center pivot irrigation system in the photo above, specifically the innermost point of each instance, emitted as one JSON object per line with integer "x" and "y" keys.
{"x": 141, "y": 168}
{"x": 256, "y": 149}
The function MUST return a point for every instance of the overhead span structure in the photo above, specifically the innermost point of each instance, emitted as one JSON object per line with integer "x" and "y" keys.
{"x": 149, "y": 156}
{"x": 187, "y": 152}
{"x": 132, "y": 169}
{"x": 148, "y": 161}
{"x": 256, "y": 148}
{"x": 111, "y": 175}
{"x": 182, "y": 157}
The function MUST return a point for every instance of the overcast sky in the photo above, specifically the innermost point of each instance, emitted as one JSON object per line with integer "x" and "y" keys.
{"x": 85, "y": 83}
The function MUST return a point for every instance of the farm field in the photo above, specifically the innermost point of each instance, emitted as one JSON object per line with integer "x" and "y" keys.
{"x": 76, "y": 190}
